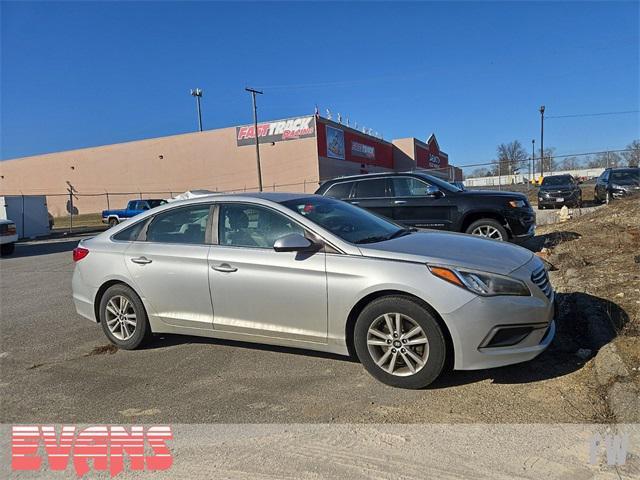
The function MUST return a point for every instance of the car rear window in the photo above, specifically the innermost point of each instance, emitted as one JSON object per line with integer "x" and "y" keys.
{"x": 374, "y": 188}
{"x": 339, "y": 190}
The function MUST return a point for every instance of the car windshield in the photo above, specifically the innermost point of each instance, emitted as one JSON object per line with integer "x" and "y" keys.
{"x": 626, "y": 177}
{"x": 554, "y": 181}
{"x": 156, "y": 203}
{"x": 346, "y": 221}
{"x": 440, "y": 183}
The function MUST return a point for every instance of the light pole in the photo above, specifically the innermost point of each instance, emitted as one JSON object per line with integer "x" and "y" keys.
{"x": 532, "y": 167}
{"x": 541, "y": 140}
{"x": 253, "y": 92}
{"x": 197, "y": 92}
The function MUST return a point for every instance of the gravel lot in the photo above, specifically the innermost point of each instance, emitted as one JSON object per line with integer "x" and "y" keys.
{"x": 54, "y": 369}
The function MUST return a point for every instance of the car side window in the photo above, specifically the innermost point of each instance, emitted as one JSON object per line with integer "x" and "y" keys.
{"x": 131, "y": 233}
{"x": 409, "y": 187}
{"x": 339, "y": 190}
{"x": 374, "y": 188}
{"x": 180, "y": 225}
{"x": 242, "y": 225}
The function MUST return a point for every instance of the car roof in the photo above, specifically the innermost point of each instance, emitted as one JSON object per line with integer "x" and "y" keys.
{"x": 624, "y": 169}
{"x": 372, "y": 175}
{"x": 277, "y": 197}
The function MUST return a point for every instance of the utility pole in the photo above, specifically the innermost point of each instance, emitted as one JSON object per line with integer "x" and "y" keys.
{"x": 253, "y": 93}
{"x": 197, "y": 92}
{"x": 532, "y": 166}
{"x": 541, "y": 141}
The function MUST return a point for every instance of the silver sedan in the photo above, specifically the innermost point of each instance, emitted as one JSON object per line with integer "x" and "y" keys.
{"x": 312, "y": 272}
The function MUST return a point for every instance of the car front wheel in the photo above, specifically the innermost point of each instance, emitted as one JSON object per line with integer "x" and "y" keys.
{"x": 488, "y": 228}
{"x": 123, "y": 317}
{"x": 400, "y": 343}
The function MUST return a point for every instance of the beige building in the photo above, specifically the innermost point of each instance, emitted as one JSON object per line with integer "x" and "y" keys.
{"x": 296, "y": 155}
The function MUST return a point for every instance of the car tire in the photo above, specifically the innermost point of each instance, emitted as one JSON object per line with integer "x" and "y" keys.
{"x": 405, "y": 371}
{"x": 115, "y": 317}
{"x": 113, "y": 222}
{"x": 492, "y": 228}
{"x": 7, "y": 249}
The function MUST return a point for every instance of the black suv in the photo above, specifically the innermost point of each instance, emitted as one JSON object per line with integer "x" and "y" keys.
{"x": 559, "y": 190}
{"x": 420, "y": 200}
{"x": 617, "y": 182}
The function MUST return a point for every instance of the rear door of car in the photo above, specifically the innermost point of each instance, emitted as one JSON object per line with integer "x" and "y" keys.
{"x": 413, "y": 206}
{"x": 169, "y": 266}
{"x": 374, "y": 195}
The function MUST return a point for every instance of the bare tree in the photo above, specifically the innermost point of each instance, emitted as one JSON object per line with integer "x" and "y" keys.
{"x": 632, "y": 157}
{"x": 511, "y": 157}
{"x": 606, "y": 160}
{"x": 549, "y": 162}
{"x": 479, "y": 172}
{"x": 570, "y": 163}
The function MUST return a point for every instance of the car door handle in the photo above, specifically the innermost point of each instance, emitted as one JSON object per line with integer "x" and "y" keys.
{"x": 400, "y": 202}
{"x": 141, "y": 260}
{"x": 224, "y": 267}
{"x": 354, "y": 203}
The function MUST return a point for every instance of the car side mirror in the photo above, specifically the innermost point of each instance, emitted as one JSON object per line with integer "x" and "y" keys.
{"x": 293, "y": 242}
{"x": 433, "y": 191}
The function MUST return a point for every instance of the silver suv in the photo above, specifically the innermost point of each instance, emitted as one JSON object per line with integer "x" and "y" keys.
{"x": 317, "y": 273}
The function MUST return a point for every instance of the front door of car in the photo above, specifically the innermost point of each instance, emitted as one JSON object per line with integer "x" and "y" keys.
{"x": 373, "y": 194}
{"x": 170, "y": 266}
{"x": 259, "y": 291}
{"x": 418, "y": 204}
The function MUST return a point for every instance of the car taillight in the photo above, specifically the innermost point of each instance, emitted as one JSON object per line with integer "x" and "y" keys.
{"x": 8, "y": 229}
{"x": 79, "y": 253}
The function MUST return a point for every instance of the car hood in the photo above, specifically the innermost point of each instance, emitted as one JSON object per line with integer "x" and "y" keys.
{"x": 453, "y": 249}
{"x": 557, "y": 188}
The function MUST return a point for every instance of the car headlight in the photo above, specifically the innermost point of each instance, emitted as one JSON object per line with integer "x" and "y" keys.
{"x": 615, "y": 186}
{"x": 481, "y": 283}
{"x": 517, "y": 203}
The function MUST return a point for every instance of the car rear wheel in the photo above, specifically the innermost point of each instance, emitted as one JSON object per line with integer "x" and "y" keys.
{"x": 488, "y": 228}
{"x": 400, "y": 343}
{"x": 7, "y": 249}
{"x": 113, "y": 222}
{"x": 123, "y": 317}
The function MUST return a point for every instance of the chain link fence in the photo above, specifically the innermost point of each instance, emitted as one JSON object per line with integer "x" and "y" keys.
{"x": 80, "y": 211}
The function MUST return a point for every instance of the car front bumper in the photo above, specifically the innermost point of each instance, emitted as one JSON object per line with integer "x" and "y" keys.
{"x": 474, "y": 325}
{"x": 521, "y": 222}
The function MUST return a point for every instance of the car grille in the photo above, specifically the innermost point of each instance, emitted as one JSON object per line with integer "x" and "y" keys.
{"x": 541, "y": 279}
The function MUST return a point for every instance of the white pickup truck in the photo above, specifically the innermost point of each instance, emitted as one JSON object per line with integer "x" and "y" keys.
{"x": 8, "y": 237}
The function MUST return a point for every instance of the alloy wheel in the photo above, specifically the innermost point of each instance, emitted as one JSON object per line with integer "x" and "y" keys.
{"x": 397, "y": 344}
{"x": 487, "y": 231}
{"x": 121, "y": 317}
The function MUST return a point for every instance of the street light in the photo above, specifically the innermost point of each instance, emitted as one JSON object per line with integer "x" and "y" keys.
{"x": 253, "y": 93}
{"x": 541, "y": 140}
{"x": 197, "y": 92}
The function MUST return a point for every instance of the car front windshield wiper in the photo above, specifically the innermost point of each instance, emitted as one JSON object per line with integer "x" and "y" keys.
{"x": 401, "y": 233}
{"x": 373, "y": 239}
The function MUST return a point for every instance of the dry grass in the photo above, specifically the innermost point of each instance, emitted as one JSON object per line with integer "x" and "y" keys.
{"x": 82, "y": 220}
{"x": 597, "y": 254}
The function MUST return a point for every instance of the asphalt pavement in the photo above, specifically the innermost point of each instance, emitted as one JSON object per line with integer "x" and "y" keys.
{"x": 56, "y": 366}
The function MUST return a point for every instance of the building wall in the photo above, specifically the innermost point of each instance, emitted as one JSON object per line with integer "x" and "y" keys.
{"x": 201, "y": 160}
{"x": 404, "y": 154}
